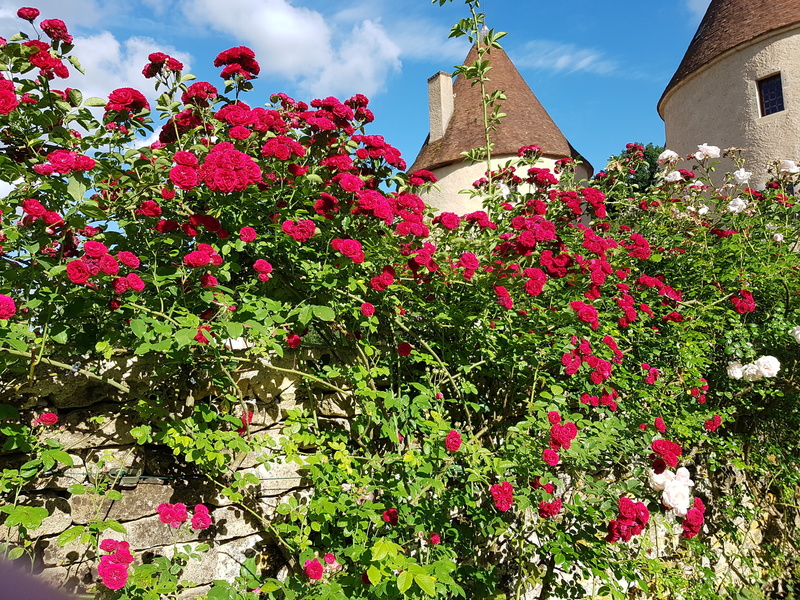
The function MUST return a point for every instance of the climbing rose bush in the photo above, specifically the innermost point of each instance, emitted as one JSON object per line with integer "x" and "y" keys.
{"x": 502, "y": 366}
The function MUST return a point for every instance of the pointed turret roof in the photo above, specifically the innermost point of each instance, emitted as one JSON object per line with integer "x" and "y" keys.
{"x": 526, "y": 121}
{"x": 730, "y": 23}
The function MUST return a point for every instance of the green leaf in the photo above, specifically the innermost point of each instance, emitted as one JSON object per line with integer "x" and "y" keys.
{"x": 76, "y": 489}
{"x": 16, "y": 553}
{"x": 60, "y": 456}
{"x": 426, "y": 584}
{"x": 70, "y": 535}
{"x": 305, "y": 315}
{"x": 234, "y": 329}
{"x": 95, "y": 101}
{"x": 374, "y": 575}
{"x": 75, "y": 96}
{"x": 138, "y": 327}
{"x": 76, "y": 189}
{"x": 323, "y": 313}
{"x": 404, "y": 581}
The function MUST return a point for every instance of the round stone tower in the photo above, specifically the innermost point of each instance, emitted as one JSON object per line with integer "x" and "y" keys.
{"x": 739, "y": 84}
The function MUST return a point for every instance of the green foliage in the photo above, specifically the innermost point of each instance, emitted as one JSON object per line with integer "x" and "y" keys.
{"x": 481, "y": 360}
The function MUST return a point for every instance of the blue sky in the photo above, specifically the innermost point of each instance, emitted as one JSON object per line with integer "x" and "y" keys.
{"x": 598, "y": 68}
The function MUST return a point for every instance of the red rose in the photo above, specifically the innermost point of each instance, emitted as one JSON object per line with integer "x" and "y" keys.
{"x": 503, "y": 495}
{"x": 27, "y": 13}
{"x": 135, "y": 282}
{"x": 56, "y": 30}
{"x": 247, "y": 234}
{"x": 78, "y": 271}
{"x": 390, "y": 516}
{"x": 196, "y": 259}
{"x": 452, "y": 442}
{"x": 367, "y": 309}
{"x": 404, "y": 349}
{"x": 7, "y": 307}
{"x": 313, "y": 569}
{"x": 48, "y": 418}
{"x": 149, "y": 208}
{"x": 129, "y": 259}
{"x": 293, "y": 340}
{"x": 8, "y": 101}
{"x": 183, "y": 177}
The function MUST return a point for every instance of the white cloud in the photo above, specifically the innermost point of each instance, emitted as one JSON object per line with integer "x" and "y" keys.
{"x": 302, "y": 45}
{"x": 75, "y": 13}
{"x": 110, "y": 64}
{"x": 698, "y": 7}
{"x": 559, "y": 57}
{"x": 359, "y": 65}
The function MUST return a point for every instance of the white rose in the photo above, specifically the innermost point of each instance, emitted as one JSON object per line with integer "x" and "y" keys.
{"x": 735, "y": 369}
{"x": 706, "y": 151}
{"x": 778, "y": 237}
{"x": 751, "y": 372}
{"x": 673, "y": 177}
{"x": 795, "y": 331}
{"x": 702, "y": 210}
{"x": 667, "y": 156}
{"x": 676, "y": 497}
{"x": 737, "y": 205}
{"x": 768, "y": 365}
{"x": 789, "y": 167}
{"x": 683, "y": 475}
{"x": 659, "y": 481}
{"x": 741, "y": 176}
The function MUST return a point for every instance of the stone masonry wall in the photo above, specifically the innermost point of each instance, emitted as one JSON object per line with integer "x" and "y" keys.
{"x": 104, "y": 450}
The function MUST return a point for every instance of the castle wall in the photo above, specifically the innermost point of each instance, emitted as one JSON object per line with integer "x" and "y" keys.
{"x": 719, "y": 105}
{"x": 455, "y": 177}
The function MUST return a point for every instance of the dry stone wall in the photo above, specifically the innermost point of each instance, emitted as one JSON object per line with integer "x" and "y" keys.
{"x": 95, "y": 429}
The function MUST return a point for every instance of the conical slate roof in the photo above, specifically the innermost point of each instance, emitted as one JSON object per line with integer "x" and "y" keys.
{"x": 526, "y": 121}
{"x": 730, "y": 23}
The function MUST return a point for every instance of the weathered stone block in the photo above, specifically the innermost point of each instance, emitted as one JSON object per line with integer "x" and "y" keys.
{"x": 141, "y": 501}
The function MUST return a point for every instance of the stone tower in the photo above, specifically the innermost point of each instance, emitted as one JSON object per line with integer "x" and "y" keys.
{"x": 739, "y": 84}
{"x": 456, "y": 126}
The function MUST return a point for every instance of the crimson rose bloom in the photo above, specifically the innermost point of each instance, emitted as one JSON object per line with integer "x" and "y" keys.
{"x": 247, "y": 234}
{"x": 453, "y": 441}
{"x": 293, "y": 340}
{"x": 126, "y": 101}
{"x": 390, "y": 516}
{"x": 7, "y": 307}
{"x": 78, "y": 271}
{"x": 129, "y": 259}
{"x": 201, "y": 518}
{"x": 313, "y": 569}
{"x": 434, "y": 539}
{"x": 114, "y": 575}
{"x": 550, "y": 456}
{"x": 56, "y": 30}
{"x": 503, "y": 495}
{"x": 47, "y": 418}
{"x": 197, "y": 259}
{"x": 28, "y": 13}
{"x": 367, "y": 309}
{"x": 8, "y": 101}
{"x": 149, "y": 208}
{"x": 173, "y": 515}
{"x": 404, "y": 349}
{"x": 183, "y": 177}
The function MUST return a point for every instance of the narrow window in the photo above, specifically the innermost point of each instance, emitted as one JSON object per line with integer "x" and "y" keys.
{"x": 770, "y": 94}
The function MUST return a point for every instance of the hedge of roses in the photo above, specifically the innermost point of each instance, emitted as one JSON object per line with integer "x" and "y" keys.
{"x": 536, "y": 383}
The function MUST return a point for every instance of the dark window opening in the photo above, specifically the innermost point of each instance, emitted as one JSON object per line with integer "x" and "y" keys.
{"x": 770, "y": 95}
